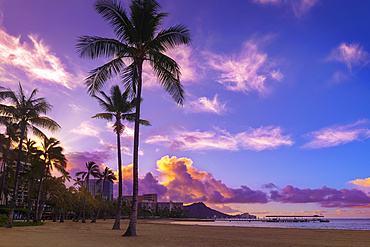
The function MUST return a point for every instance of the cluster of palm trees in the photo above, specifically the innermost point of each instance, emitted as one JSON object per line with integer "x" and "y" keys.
{"x": 138, "y": 39}
{"x": 22, "y": 116}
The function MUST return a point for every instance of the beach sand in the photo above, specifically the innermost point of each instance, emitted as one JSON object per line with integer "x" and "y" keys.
{"x": 162, "y": 233}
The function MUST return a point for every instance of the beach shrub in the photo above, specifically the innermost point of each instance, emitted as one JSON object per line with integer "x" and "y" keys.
{"x": 3, "y": 219}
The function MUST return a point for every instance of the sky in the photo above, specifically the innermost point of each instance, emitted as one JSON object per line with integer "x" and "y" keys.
{"x": 276, "y": 118}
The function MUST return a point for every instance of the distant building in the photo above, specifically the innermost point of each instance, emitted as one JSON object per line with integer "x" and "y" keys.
{"x": 94, "y": 188}
{"x": 143, "y": 198}
{"x": 22, "y": 188}
{"x": 149, "y": 202}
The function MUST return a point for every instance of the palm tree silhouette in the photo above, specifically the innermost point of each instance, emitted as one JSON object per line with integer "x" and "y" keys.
{"x": 52, "y": 157}
{"x": 117, "y": 107}
{"x": 26, "y": 113}
{"x": 138, "y": 39}
{"x": 107, "y": 175}
{"x": 92, "y": 170}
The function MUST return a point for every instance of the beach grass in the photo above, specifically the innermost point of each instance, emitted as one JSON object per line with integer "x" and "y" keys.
{"x": 163, "y": 233}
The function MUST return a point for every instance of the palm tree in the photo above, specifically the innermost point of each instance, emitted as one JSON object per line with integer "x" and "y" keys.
{"x": 52, "y": 155}
{"x": 92, "y": 170}
{"x": 26, "y": 113}
{"x": 138, "y": 39}
{"x": 117, "y": 107}
{"x": 107, "y": 175}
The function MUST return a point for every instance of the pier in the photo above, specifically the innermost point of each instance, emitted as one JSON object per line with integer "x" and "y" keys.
{"x": 280, "y": 218}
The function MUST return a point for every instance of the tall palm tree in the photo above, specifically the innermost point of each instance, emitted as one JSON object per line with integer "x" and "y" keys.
{"x": 117, "y": 107}
{"x": 139, "y": 39}
{"x": 53, "y": 157}
{"x": 107, "y": 175}
{"x": 26, "y": 113}
{"x": 92, "y": 170}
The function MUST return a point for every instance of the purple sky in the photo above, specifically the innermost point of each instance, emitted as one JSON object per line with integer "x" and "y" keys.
{"x": 276, "y": 118}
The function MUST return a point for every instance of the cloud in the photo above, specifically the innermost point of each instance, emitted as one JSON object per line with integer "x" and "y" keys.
{"x": 325, "y": 197}
{"x": 77, "y": 160}
{"x": 204, "y": 104}
{"x": 185, "y": 183}
{"x": 253, "y": 139}
{"x": 361, "y": 182}
{"x": 352, "y": 55}
{"x": 113, "y": 147}
{"x": 86, "y": 128}
{"x": 179, "y": 180}
{"x": 334, "y": 136}
{"x": 77, "y": 108}
{"x": 246, "y": 72}
{"x": 263, "y": 138}
{"x": 299, "y": 7}
{"x": 346, "y": 212}
{"x": 35, "y": 60}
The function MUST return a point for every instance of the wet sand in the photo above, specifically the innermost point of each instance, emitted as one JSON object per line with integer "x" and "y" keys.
{"x": 162, "y": 233}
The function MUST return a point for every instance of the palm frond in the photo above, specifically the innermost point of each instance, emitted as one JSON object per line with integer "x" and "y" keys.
{"x": 45, "y": 122}
{"x": 95, "y": 47}
{"x": 97, "y": 77}
{"x": 105, "y": 116}
{"x": 168, "y": 72}
{"x": 113, "y": 12}
{"x": 169, "y": 38}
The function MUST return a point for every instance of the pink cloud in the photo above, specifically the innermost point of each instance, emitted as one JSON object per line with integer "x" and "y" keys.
{"x": 254, "y": 139}
{"x": 334, "y": 136}
{"x": 204, "y": 104}
{"x": 35, "y": 60}
{"x": 353, "y": 55}
{"x": 325, "y": 197}
{"x": 246, "y": 72}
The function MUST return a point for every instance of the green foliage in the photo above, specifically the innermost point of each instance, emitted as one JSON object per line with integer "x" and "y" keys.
{"x": 3, "y": 220}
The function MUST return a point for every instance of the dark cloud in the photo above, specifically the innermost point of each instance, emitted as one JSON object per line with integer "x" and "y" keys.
{"x": 325, "y": 197}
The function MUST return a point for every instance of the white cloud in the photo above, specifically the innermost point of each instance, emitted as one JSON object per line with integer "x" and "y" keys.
{"x": 353, "y": 55}
{"x": 335, "y": 136}
{"x": 77, "y": 108}
{"x": 299, "y": 7}
{"x": 86, "y": 128}
{"x": 254, "y": 139}
{"x": 204, "y": 104}
{"x": 35, "y": 60}
{"x": 264, "y": 138}
{"x": 246, "y": 72}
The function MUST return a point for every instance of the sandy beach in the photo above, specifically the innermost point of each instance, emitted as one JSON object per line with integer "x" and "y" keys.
{"x": 162, "y": 233}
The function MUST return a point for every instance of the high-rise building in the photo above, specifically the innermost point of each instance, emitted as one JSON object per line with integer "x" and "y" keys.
{"x": 94, "y": 188}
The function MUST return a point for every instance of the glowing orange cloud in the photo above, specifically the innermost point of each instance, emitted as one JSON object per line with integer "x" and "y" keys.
{"x": 361, "y": 182}
{"x": 184, "y": 182}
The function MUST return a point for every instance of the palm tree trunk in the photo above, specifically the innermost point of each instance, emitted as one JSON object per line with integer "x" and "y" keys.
{"x": 2, "y": 180}
{"x": 15, "y": 190}
{"x": 101, "y": 200}
{"x": 116, "y": 225}
{"x": 131, "y": 230}
{"x": 37, "y": 203}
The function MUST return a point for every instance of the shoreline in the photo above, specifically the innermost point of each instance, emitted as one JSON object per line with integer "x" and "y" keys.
{"x": 164, "y": 233}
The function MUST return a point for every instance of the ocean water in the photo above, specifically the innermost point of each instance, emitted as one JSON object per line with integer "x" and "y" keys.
{"x": 345, "y": 224}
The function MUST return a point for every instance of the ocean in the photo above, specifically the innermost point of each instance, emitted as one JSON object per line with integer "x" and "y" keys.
{"x": 345, "y": 224}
